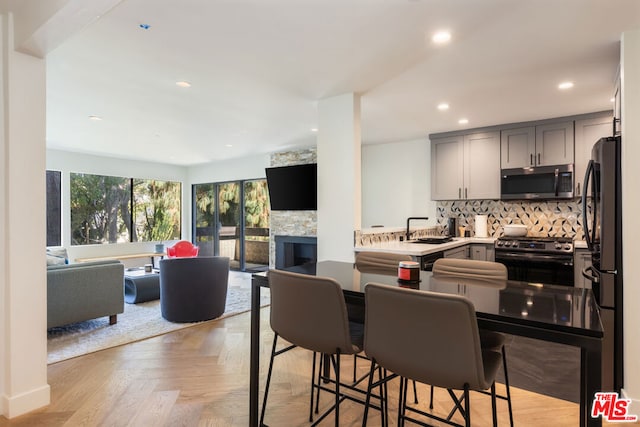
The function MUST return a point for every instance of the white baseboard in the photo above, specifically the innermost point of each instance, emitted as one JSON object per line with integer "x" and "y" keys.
{"x": 634, "y": 408}
{"x": 14, "y": 406}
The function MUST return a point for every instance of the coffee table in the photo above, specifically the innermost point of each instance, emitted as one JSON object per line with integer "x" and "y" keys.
{"x": 140, "y": 286}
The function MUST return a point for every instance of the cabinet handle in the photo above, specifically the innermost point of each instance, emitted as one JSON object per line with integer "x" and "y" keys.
{"x": 465, "y": 192}
{"x": 539, "y": 159}
{"x": 531, "y": 159}
{"x": 578, "y": 190}
{"x": 459, "y": 193}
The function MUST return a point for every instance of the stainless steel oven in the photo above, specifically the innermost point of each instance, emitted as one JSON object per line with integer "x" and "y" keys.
{"x": 537, "y": 259}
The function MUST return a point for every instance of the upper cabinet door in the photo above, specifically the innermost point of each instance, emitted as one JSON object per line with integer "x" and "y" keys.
{"x": 617, "y": 107}
{"x": 588, "y": 132}
{"x": 517, "y": 147}
{"x": 554, "y": 144}
{"x": 447, "y": 168}
{"x": 482, "y": 166}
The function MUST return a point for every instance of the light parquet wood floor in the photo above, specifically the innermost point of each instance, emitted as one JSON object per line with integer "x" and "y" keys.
{"x": 199, "y": 376}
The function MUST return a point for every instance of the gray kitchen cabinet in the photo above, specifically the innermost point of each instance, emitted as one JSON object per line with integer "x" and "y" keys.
{"x": 554, "y": 144}
{"x": 482, "y": 166}
{"x": 542, "y": 145}
{"x": 587, "y": 133}
{"x": 482, "y": 252}
{"x": 478, "y": 252}
{"x": 517, "y": 147}
{"x": 617, "y": 106}
{"x": 461, "y": 252}
{"x": 581, "y": 260}
{"x": 447, "y": 166}
{"x": 466, "y": 167}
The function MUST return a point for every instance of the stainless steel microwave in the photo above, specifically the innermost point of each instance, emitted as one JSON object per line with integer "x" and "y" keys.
{"x": 542, "y": 182}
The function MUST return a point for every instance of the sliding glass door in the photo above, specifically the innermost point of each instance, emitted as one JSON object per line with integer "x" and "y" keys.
{"x": 229, "y": 221}
{"x": 256, "y": 225}
{"x": 232, "y": 219}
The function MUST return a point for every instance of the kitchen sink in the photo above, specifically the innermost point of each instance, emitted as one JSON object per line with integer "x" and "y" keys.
{"x": 432, "y": 240}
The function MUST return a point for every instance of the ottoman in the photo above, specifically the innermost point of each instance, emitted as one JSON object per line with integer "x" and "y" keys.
{"x": 141, "y": 287}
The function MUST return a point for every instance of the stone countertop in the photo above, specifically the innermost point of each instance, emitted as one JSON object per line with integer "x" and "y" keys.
{"x": 419, "y": 249}
{"x": 580, "y": 244}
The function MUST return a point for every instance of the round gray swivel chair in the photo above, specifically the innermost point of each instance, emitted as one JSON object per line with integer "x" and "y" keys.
{"x": 193, "y": 289}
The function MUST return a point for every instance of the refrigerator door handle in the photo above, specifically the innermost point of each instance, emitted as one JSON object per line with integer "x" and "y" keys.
{"x": 585, "y": 193}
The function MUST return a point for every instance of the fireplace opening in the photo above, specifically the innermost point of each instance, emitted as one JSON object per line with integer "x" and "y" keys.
{"x": 295, "y": 250}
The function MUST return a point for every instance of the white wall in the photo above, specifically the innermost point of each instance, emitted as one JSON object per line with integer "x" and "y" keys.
{"x": 4, "y": 285}
{"x": 630, "y": 79}
{"x": 396, "y": 183}
{"x": 68, "y": 162}
{"x": 339, "y": 176}
{"x": 23, "y": 302}
{"x": 230, "y": 170}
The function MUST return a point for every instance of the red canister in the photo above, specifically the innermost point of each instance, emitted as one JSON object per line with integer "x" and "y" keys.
{"x": 409, "y": 271}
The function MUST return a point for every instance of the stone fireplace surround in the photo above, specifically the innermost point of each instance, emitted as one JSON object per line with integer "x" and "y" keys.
{"x": 291, "y": 223}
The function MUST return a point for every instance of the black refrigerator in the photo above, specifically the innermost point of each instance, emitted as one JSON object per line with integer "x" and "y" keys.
{"x": 602, "y": 210}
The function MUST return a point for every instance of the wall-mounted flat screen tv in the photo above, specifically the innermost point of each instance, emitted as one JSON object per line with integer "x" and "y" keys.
{"x": 293, "y": 188}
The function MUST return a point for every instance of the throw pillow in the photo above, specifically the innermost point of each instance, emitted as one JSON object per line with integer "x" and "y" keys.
{"x": 57, "y": 256}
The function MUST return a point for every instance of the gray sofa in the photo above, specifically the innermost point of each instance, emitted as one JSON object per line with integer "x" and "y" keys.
{"x": 83, "y": 291}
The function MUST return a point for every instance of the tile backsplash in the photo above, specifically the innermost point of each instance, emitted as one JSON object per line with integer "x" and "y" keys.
{"x": 374, "y": 238}
{"x": 543, "y": 218}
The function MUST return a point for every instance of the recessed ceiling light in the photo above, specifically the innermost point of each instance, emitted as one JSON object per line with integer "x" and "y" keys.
{"x": 314, "y": 129}
{"x": 463, "y": 121}
{"x": 228, "y": 145}
{"x": 441, "y": 37}
{"x": 95, "y": 118}
{"x": 183, "y": 84}
{"x": 443, "y": 106}
{"x": 565, "y": 85}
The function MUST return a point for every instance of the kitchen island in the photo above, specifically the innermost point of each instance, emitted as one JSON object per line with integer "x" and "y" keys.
{"x": 556, "y": 314}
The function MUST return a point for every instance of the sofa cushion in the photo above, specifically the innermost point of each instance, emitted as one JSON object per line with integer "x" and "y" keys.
{"x": 57, "y": 256}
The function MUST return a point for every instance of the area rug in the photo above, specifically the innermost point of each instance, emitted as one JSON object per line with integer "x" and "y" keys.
{"x": 138, "y": 322}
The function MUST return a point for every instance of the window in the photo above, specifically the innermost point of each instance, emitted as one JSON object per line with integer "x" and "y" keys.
{"x": 156, "y": 209}
{"x": 54, "y": 208}
{"x": 108, "y": 209}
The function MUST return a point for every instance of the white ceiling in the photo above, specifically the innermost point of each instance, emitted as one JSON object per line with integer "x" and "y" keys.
{"x": 259, "y": 67}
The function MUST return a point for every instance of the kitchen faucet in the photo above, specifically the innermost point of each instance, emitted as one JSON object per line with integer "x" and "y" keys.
{"x": 409, "y": 220}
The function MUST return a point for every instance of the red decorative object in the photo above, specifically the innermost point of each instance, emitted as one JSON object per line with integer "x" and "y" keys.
{"x": 182, "y": 249}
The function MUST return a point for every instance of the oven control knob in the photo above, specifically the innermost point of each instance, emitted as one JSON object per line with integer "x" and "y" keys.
{"x": 507, "y": 244}
{"x": 500, "y": 243}
{"x": 514, "y": 244}
{"x": 567, "y": 247}
{"x": 558, "y": 246}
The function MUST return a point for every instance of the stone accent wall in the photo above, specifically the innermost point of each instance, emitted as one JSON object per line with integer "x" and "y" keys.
{"x": 543, "y": 218}
{"x": 291, "y": 223}
{"x": 299, "y": 157}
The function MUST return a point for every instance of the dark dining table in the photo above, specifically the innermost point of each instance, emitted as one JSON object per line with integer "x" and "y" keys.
{"x": 560, "y": 314}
